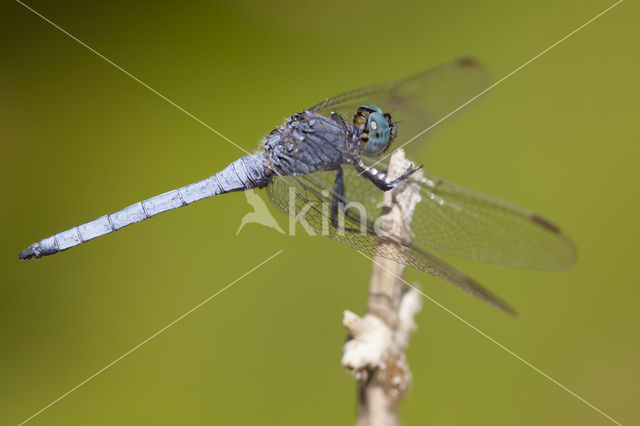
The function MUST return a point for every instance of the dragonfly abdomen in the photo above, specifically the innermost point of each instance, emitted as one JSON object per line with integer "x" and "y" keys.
{"x": 245, "y": 173}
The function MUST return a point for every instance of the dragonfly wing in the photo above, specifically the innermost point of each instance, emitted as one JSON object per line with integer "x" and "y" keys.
{"x": 309, "y": 197}
{"x": 416, "y": 102}
{"x": 427, "y": 262}
{"x": 466, "y": 223}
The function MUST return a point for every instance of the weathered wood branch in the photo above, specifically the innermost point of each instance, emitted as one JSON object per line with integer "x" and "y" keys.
{"x": 375, "y": 353}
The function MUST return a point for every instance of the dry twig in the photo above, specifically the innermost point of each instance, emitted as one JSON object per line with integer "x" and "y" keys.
{"x": 375, "y": 353}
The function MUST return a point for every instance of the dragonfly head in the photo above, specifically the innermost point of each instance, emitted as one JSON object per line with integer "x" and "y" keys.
{"x": 377, "y": 129}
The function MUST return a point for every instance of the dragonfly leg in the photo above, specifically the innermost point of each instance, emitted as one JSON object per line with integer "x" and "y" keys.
{"x": 337, "y": 202}
{"x": 337, "y": 197}
{"x": 379, "y": 178}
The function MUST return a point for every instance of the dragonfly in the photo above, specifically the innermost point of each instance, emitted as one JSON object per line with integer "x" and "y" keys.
{"x": 329, "y": 157}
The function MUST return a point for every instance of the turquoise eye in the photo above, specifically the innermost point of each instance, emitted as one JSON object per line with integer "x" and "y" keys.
{"x": 372, "y": 108}
{"x": 379, "y": 134}
{"x": 377, "y": 129}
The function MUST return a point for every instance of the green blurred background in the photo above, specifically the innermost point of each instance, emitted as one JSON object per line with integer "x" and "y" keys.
{"x": 81, "y": 139}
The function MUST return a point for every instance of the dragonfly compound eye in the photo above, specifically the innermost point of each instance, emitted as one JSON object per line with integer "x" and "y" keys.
{"x": 362, "y": 115}
{"x": 379, "y": 135}
{"x": 378, "y": 129}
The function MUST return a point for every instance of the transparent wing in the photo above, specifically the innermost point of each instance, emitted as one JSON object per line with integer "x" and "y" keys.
{"x": 466, "y": 223}
{"x": 415, "y": 102}
{"x": 310, "y": 197}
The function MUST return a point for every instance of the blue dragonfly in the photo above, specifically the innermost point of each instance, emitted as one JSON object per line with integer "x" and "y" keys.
{"x": 328, "y": 157}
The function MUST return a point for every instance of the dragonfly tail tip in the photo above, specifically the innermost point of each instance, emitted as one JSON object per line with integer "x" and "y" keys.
{"x": 27, "y": 254}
